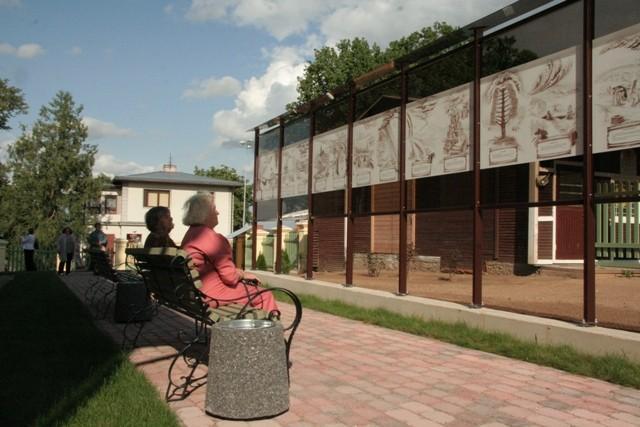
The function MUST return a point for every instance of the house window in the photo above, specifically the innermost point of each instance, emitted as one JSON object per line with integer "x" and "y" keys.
{"x": 110, "y": 204}
{"x": 156, "y": 198}
{"x": 94, "y": 207}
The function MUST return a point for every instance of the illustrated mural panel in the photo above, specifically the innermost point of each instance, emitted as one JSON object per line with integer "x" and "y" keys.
{"x": 375, "y": 149}
{"x": 330, "y": 160}
{"x": 437, "y": 134}
{"x": 267, "y": 185}
{"x": 295, "y": 169}
{"x": 616, "y": 90}
{"x": 528, "y": 113}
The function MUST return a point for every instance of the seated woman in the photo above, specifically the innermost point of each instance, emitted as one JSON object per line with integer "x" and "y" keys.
{"x": 160, "y": 223}
{"x": 211, "y": 254}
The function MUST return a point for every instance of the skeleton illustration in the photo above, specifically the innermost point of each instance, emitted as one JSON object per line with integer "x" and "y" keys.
{"x": 386, "y": 151}
{"x": 419, "y": 150}
{"x": 457, "y": 142}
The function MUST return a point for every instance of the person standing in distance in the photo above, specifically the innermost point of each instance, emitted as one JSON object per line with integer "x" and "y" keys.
{"x": 29, "y": 243}
{"x": 66, "y": 247}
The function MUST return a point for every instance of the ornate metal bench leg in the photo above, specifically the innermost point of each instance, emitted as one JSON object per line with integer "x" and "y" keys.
{"x": 181, "y": 390}
{"x": 91, "y": 291}
{"x": 128, "y": 342}
{"x": 106, "y": 301}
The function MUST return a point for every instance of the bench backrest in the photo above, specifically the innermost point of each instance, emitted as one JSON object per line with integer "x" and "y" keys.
{"x": 170, "y": 277}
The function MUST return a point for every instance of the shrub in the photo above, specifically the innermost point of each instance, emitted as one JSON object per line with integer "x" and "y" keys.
{"x": 285, "y": 265}
{"x": 261, "y": 263}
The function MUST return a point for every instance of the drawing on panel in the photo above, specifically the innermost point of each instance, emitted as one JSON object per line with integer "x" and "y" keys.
{"x": 329, "y": 161}
{"x": 386, "y": 149}
{"x": 339, "y": 161}
{"x": 267, "y": 176}
{"x": 294, "y": 169}
{"x": 420, "y": 157}
{"x": 552, "y": 113}
{"x": 617, "y": 91}
{"x": 363, "y": 160}
{"x": 321, "y": 170}
{"x": 301, "y": 171}
{"x": 375, "y": 158}
{"x": 502, "y": 94}
{"x": 456, "y": 143}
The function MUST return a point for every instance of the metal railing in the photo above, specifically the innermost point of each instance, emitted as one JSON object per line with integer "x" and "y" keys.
{"x": 618, "y": 224}
{"x": 45, "y": 258}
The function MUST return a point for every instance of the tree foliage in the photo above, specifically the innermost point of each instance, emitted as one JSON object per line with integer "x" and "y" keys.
{"x": 50, "y": 169}
{"x": 230, "y": 174}
{"x": 333, "y": 67}
{"x": 11, "y": 103}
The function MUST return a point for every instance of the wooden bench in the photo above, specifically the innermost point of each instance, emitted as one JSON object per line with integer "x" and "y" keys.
{"x": 101, "y": 291}
{"x": 173, "y": 282}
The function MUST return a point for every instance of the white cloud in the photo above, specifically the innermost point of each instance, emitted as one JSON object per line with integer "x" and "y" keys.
{"x": 112, "y": 166}
{"x": 378, "y": 20}
{"x": 25, "y": 51}
{"x": 30, "y": 50}
{"x": 382, "y": 21}
{"x": 208, "y": 10}
{"x": 212, "y": 87}
{"x": 168, "y": 9}
{"x": 261, "y": 97}
{"x": 280, "y": 18}
{"x": 76, "y": 51}
{"x": 99, "y": 129}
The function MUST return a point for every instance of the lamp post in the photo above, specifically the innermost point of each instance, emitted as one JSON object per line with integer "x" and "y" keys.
{"x": 244, "y": 197}
{"x": 248, "y": 145}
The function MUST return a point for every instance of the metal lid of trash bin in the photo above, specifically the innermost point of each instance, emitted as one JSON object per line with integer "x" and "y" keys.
{"x": 247, "y": 324}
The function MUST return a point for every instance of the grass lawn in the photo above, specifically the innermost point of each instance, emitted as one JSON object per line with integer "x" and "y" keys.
{"x": 614, "y": 369}
{"x": 59, "y": 369}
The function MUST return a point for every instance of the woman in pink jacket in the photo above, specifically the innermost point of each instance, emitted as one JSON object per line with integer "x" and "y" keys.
{"x": 211, "y": 254}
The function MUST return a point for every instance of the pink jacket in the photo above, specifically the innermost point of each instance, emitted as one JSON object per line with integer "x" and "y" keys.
{"x": 216, "y": 267}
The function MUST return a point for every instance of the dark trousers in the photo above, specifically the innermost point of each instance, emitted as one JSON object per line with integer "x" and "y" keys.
{"x": 65, "y": 263}
{"x": 29, "y": 264}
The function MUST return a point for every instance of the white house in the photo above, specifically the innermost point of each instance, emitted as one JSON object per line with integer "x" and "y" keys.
{"x": 124, "y": 204}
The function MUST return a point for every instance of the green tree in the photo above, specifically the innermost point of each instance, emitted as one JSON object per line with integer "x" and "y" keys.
{"x": 333, "y": 67}
{"x": 11, "y": 103}
{"x": 51, "y": 181}
{"x": 230, "y": 174}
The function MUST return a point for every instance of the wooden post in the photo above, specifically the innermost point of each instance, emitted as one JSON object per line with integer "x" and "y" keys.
{"x": 477, "y": 213}
{"x": 589, "y": 272}
{"x": 254, "y": 219}
{"x": 402, "y": 249}
{"x": 278, "y": 245}
{"x": 348, "y": 192}
{"x": 312, "y": 131}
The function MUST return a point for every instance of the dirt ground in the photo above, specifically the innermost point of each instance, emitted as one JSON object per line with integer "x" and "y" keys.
{"x": 555, "y": 294}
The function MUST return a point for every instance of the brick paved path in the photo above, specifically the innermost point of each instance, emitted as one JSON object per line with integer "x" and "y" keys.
{"x": 346, "y": 373}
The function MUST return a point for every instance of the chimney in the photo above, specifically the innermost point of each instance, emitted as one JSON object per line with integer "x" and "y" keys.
{"x": 169, "y": 167}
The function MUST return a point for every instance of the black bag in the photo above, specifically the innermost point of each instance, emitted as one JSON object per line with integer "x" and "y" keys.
{"x": 36, "y": 245}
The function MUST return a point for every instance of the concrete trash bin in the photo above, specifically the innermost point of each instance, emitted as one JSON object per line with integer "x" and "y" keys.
{"x": 131, "y": 297}
{"x": 248, "y": 376}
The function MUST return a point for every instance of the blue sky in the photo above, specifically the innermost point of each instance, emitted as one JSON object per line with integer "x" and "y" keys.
{"x": 187, "y": 78}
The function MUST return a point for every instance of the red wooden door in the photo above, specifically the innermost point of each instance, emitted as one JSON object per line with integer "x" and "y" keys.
{"x": 569, "y": 233}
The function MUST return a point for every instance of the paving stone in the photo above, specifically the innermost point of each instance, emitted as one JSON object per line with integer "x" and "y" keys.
{"x": 346, "y": 373}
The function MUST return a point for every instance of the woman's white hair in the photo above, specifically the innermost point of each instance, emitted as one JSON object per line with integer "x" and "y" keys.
{"x": 197, "y": 208}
